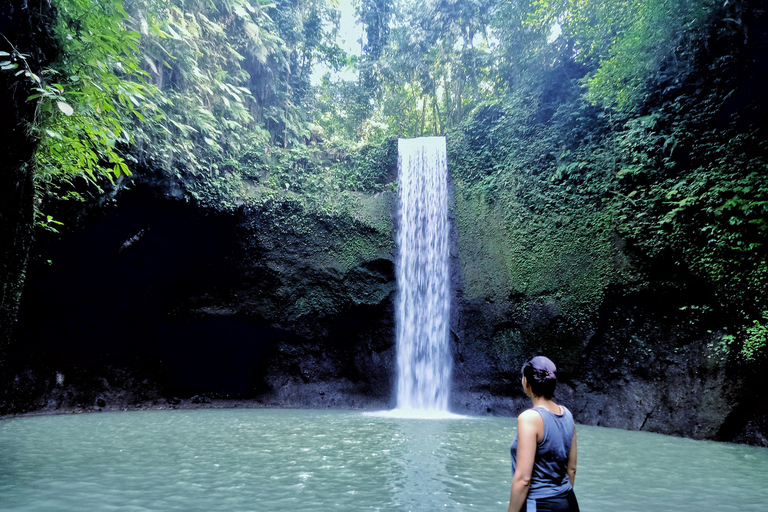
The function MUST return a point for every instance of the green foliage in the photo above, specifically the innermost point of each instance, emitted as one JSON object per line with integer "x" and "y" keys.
{"x": 630, "y": 45}
{"x": 342, "y": 109}
{"x": 418, "y": 77}
{"x": 233, "y": 86}
{"x": 522, "y": 50}
{"x": 528, "y": 219}
{"x": 88, "y": 100}
{"x": 642, "y": 122}
{"x": 375, "y": 16}
{"x": 712, "y": 214}
{"x": 692, "y": 179}
{"x": 194, "y": 54}
{"x": 213, "y": 96}
{"x": 648, "y": 149}
{"x": 756, "y": 340}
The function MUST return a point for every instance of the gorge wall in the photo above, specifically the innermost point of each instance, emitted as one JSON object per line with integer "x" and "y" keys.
{"x": 159, "y": 303}
{"x": 156, "y": 299}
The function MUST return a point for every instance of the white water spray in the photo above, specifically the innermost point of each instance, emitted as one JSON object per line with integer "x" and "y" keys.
{"x": 423, "y": 280}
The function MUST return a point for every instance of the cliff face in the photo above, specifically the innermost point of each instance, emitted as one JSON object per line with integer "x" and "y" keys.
{"x": 634, "y": 342}
{"x": 159, "y": 303}
{"x": 156, "y": 298}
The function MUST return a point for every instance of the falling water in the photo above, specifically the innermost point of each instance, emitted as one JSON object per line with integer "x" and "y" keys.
{"x": 423, "y": 300}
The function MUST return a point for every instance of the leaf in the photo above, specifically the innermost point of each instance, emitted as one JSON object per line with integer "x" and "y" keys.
{"x": 64, "y": 107}
{"x": 151, "y": 63}
{"x": 173, "y": 32}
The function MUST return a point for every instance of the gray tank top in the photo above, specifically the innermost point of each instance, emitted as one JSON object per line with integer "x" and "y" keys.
{"x": 550, "y": 476}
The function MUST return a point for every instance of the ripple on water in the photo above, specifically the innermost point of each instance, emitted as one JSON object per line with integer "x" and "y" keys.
{"x": 265, "y": 460}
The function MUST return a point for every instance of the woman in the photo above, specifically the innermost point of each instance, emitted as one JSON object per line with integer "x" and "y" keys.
{"x": 544, "y": 451}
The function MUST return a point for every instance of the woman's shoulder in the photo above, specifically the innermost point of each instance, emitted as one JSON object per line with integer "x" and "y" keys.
{"x": 531, "y": 423}
{"x": 529, "y": 415}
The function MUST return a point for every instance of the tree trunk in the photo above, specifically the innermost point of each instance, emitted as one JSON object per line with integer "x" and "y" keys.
{"x": 437, "y": 115}
{"x": 423, "y": 116}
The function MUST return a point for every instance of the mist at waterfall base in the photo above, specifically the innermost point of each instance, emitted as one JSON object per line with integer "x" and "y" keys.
{"x": 276, "y": 460}
{"x": 422, "y": 306}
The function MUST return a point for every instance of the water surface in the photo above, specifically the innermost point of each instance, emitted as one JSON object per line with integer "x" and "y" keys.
{"x": 281, "y": 460}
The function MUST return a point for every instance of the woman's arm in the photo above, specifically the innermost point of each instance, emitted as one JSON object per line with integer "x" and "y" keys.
{"x": 572, "y": 459}
{"x": 527, "y": 425}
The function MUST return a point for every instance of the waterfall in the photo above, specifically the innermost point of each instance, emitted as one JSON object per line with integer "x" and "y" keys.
{"x": 423, "y": 280}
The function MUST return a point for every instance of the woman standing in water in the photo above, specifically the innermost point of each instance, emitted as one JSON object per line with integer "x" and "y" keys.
{"x": 544, "y": 451}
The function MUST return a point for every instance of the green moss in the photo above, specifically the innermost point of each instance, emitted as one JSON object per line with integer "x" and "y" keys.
{"x": 351, "y": 248}
{"x": 506, "y": 250}
{"x": 338, "y": 241}
{"x": 317, "y": 262}
{"x": 314, "y": 302}
{"x": 361, "y": 233}
{"x": 512, "y": 347}
{"x": 326, "y": 178}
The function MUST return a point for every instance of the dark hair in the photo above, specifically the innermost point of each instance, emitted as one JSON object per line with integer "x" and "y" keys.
{"x": 541, "y": 374}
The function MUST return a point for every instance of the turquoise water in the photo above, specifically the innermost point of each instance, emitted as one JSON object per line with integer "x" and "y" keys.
{"x": 280, "y": 460}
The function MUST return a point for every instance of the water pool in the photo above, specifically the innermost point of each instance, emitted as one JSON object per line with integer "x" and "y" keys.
{"x": 279, "y": 460}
